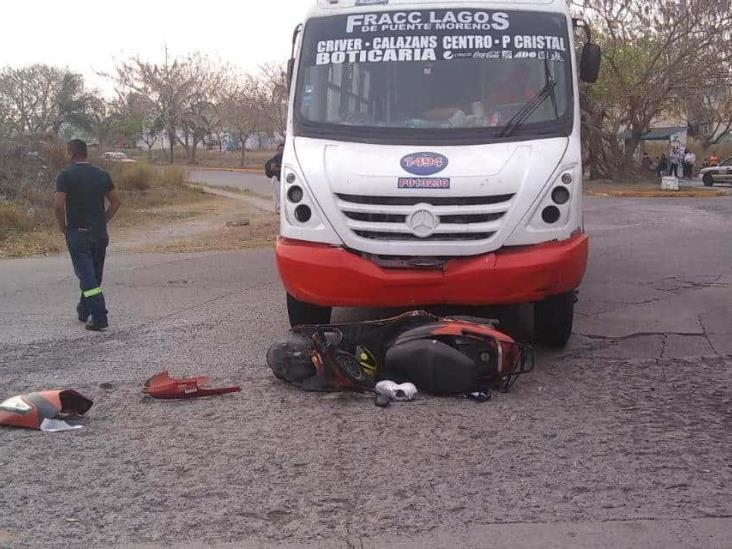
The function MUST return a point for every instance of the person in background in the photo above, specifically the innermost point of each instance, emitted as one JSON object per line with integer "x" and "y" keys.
{"x": 674, "y": 161}
{"x": 689, "y": 161}
{"x": 273, "y": 170}
{"x": 662, "y": 166}
{"x": 79, "y": 206}
{"x": 646, "y": 162}
{"x": 713, "y": 159}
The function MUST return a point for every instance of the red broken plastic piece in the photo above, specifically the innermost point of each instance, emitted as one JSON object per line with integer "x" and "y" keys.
{"x": 164, "y": 387}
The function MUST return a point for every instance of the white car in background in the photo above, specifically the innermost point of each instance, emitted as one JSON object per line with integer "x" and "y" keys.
{"x": 717, "y": 174}
{"x": 116, "y": 157}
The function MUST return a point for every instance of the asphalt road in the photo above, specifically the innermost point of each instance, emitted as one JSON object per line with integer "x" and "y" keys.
{"x": 621, "y": 440}
{"x": 233, "y": 179}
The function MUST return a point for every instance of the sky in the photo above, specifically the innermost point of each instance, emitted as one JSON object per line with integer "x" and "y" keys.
{"x": 88, "y": 36}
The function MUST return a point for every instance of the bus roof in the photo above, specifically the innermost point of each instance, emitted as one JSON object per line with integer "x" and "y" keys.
{"x": 324, "y": 8}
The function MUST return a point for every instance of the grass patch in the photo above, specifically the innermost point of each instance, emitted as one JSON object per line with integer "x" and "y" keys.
{"x": 141, "y": 176}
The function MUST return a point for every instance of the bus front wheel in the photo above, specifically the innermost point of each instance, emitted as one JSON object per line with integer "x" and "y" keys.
{"x": 302, "y": 313}
{"x": 553, "y": 320}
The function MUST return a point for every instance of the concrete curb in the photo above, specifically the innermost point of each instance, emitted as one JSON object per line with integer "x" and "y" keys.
{"x": 213, "y": 169}
{"x": 657, "y": 194}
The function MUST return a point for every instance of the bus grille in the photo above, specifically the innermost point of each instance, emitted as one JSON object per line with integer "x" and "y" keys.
{"x": 458, "y": 218}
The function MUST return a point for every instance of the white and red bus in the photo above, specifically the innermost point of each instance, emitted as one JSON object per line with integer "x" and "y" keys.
{"x": 433, "y": 157}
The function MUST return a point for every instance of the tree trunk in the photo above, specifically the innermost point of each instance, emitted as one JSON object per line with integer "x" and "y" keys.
{"x": 243, "y": 153}
{"x": 194, "y": 146}
{"x": 149, "y": 151}
{"x": 631, "y": 145}
{"x": 171, "y": 143}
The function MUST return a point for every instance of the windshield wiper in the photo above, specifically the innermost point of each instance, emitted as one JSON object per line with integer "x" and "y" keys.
{"x": 534, "y": 103}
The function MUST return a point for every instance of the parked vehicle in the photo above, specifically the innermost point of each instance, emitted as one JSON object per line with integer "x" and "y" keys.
{"x": 717, "y": 174}
{"x": 116, "y": 157}
{"x": 433, "y": 157}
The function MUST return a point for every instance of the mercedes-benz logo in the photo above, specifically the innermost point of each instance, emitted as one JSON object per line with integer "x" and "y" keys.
{"x": 422, "y": 223}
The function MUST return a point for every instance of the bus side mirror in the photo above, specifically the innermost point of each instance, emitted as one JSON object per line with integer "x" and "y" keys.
{"x": 590, "y": 63}
{"x": 291, "y": 61}
{"x": 290, "y": 71}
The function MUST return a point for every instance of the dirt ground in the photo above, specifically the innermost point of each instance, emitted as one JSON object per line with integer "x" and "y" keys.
{"x": 228, "y": 222}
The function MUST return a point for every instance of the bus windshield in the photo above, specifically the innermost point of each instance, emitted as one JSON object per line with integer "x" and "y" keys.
{"x": 435, "y": 70}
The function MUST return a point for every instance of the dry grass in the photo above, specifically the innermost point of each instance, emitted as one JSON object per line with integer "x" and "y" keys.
{"x": 32, "y": 243}
{"x": 14, "y": 217}
{"x": 142, "y": 176}
{"x": 209, "y": 159}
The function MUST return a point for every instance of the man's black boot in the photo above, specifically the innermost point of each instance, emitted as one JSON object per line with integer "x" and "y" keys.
{"x": 82, "y": 312}
{"x": 97, "y": 326}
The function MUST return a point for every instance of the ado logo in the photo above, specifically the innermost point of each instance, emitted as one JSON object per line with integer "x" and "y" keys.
{"x": 424, "y": 163}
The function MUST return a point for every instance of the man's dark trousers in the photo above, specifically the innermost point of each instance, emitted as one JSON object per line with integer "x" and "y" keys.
{"x": 88, "y": 250}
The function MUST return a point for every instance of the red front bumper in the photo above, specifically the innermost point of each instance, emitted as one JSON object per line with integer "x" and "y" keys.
{"x": 331, "y": 276}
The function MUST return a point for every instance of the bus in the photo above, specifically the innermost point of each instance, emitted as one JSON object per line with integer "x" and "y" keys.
{"x": 433, "y": 157}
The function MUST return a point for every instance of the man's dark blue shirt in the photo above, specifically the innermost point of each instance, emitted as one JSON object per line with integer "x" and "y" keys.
{"x": 85, "y": 186}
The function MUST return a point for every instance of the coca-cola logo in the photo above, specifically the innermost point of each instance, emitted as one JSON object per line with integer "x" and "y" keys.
{"x": 424, "y": 163}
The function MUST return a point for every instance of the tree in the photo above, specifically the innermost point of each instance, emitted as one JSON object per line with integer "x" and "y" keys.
{"x": 202, "y": 113}
{"x": 44, "y": 99}
{"x": 168, "y": 87}
{"x": 5, "y": 129}
{"x": 152, "y": 127}
{"x": 710, "y": 115}
{"x": 242, "y": 112}
{"x": 273, "y": 97}
{"x": 655, "y": 55}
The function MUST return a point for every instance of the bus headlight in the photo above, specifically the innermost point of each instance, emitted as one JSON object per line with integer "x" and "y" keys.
{"x": 301, "y": 215}
{"x": 555, "y": 215}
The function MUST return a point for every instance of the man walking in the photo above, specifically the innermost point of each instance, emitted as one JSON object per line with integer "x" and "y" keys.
{"x": 79, "y": 206}
{"x": 273, "y": 170}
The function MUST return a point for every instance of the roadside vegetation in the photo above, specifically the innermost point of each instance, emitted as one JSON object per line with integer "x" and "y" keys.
{"x": 213, "y": 158}
{"x": 27, "y": 172}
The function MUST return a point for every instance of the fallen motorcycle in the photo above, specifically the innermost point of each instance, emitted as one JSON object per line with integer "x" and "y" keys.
{"x": 458, "y": 355}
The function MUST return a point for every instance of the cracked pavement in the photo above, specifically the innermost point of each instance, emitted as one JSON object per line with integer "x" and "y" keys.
{"x": 623, "y": 438}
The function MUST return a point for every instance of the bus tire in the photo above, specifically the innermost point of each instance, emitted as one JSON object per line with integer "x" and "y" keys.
{"x": 302, "y": 313}
{"x": 708, "y": 180}
{"x": 553, "y": 320}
